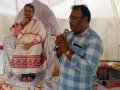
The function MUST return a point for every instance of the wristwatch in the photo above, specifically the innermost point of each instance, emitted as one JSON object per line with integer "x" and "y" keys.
{"x": 68, "y": 52}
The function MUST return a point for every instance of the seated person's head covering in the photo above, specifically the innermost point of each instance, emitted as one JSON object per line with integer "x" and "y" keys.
{"x": 46, "y": 16}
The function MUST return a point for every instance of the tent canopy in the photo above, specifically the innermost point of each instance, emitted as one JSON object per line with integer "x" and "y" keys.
{"x": 98, "y": 8}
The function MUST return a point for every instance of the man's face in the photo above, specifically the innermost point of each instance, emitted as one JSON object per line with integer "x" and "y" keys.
{"x": 28, "y": 12}
{"x": 76, "y": 20}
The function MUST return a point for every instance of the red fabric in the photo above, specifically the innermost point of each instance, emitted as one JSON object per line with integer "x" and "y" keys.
{"x": 17, "y": 29}
{"x": 31, "y": 61}
{"x": 1, "y": 46}
{"x": 35, "y": 41}
{"x": 109, "y": 85}
{"x": 105, "y": 65}
{"x": 116, "y": 85}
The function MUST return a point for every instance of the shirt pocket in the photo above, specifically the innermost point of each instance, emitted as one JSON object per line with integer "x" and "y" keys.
{"x": 78, "y": 49}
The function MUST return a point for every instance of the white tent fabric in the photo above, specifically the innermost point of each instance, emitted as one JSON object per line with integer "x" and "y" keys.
{"x": 105, "y": 19}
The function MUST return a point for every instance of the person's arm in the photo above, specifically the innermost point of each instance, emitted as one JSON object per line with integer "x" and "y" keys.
{"x": 40, "y": 37}
{"x": 24, "y": 21}
{"x": 15, "y": 29}
{"x": 61, "y": 46}
{"x": 89, "y": 61}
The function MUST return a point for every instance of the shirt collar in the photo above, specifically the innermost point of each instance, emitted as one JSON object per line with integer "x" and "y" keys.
{"x": 84, "y": 33}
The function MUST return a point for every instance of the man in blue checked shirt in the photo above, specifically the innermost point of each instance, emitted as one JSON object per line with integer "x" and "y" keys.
{"x": 79, "y": 52}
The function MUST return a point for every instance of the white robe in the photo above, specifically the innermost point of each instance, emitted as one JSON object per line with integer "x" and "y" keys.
{"x": 29, "y": 60}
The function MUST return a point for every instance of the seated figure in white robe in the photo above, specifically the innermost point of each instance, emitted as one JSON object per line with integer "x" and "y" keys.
{"x": 44, "y": 13}
{"x": 49, "y": 21}
{"x": 30, "y": 35}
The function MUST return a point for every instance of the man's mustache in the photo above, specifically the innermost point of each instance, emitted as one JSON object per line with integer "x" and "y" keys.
{"x": 27, "y": 15}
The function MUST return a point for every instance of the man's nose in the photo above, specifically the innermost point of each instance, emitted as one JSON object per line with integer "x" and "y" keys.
{"x": 27, "y": 12}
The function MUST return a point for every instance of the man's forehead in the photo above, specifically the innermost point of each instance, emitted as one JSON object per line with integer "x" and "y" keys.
{"x": 27, "y": 7}
{"x": 76, "y": 13}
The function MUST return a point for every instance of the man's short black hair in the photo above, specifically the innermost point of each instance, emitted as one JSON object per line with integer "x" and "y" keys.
{"x": 30, "y": 5}
{"x": 84, "y": 9}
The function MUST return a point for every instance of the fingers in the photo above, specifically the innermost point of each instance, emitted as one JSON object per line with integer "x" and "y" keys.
{"x": 26, "y": 45}
{"x": 25, "y": 21}
{"x": 61, "y": 38}
{"x": 58, "y": 40}
{"x": 14, "y": 25}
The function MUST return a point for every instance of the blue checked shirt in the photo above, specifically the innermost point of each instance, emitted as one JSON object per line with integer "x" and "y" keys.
{"x": 79, "y": 72}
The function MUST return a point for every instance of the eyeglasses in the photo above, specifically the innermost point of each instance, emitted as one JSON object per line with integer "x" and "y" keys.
{"x": 74, "y": 18}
